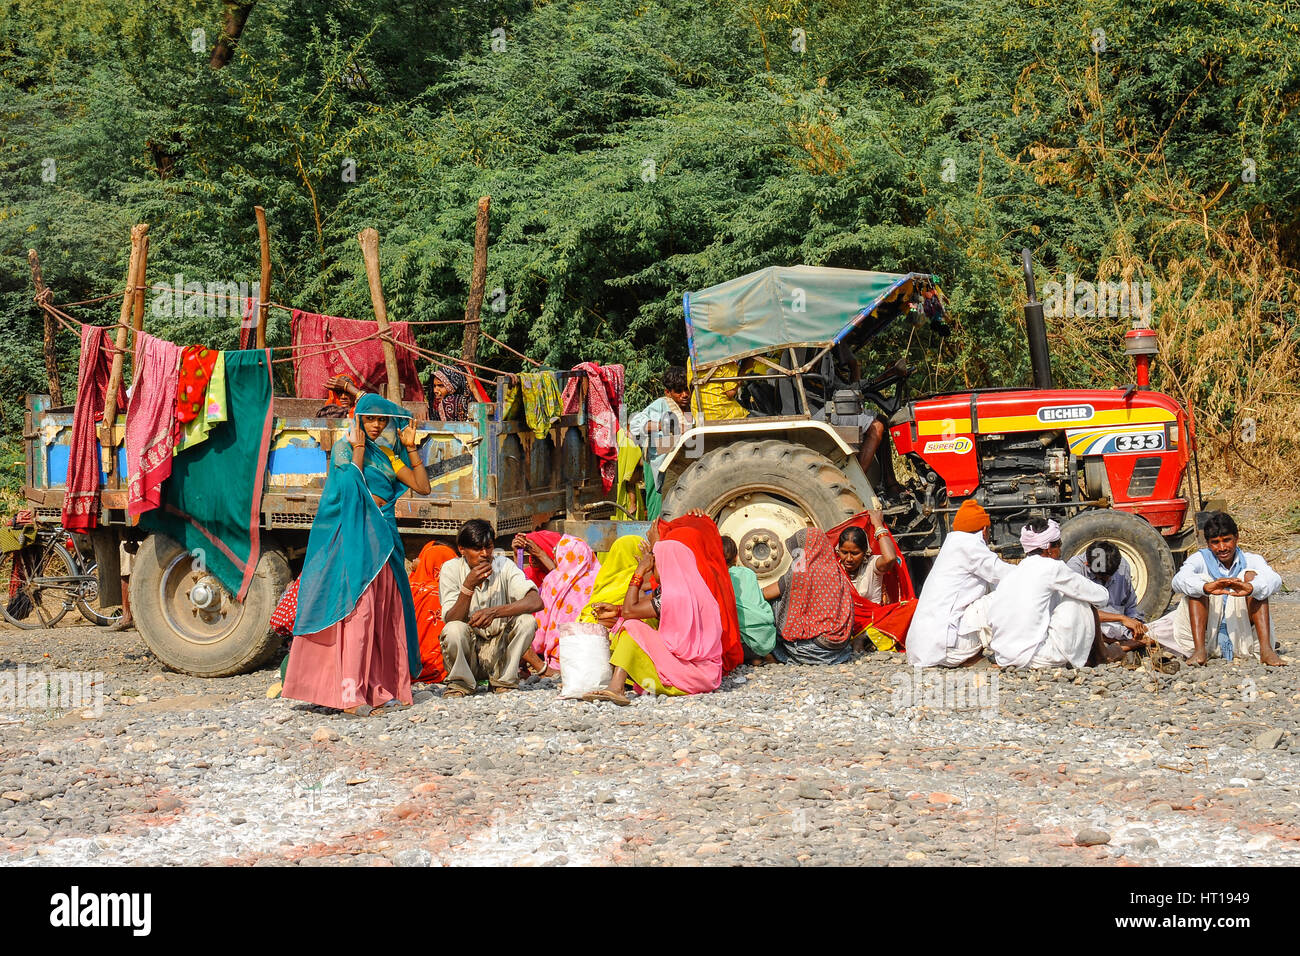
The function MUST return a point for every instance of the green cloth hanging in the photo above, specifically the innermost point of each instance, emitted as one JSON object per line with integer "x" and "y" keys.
{"x": 213, "y": 499}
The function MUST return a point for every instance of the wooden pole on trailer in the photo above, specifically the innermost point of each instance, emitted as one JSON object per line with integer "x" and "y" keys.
{"x": 477, "y": 282}
{"x": 107, "y": 432}
{"x": 369, "y": 240}
{"x": 51, "y": 359}
{"x": 264, "y": 289}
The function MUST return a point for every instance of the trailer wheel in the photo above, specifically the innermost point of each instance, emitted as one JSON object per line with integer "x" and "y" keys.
{"x": 761, "y": 493}
{"x": 1141, "y": 546}
{"x": 191, "y": 623}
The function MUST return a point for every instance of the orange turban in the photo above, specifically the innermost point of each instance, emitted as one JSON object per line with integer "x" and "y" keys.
{"x": 970, "y": 517}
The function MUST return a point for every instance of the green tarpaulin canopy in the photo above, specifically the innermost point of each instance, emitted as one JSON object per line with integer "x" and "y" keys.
{"x": 784, "y": 306}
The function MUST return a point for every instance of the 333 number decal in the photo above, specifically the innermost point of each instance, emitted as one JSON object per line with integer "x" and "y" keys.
{"x": 1144, "y": 441}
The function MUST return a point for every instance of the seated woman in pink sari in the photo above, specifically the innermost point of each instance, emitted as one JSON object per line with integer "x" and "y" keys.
{"x": 684, "y": 654}
{"x": 565, "y": 592}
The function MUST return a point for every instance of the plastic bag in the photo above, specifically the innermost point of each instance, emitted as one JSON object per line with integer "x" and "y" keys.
{"x": 584, "y": 652}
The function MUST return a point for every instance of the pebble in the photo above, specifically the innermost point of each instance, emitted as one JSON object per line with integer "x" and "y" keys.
{"x": 1091, "y": 837}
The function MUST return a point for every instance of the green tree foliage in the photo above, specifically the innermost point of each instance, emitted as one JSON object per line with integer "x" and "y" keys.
{"x": 634, "y": 151}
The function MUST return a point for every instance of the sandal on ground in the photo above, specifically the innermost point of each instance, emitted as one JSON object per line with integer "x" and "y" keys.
{"x": 609, "y": 695}
{"x": 500, "y": 689}
{"x": 455, "y": 692}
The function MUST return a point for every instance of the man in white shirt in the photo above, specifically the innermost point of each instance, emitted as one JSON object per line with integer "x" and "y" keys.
{"x": 964, "y": 571}
{"x": 488, "y": 606}
{"x": 1224, "y": 610}
{"x": 1043, "y": 614}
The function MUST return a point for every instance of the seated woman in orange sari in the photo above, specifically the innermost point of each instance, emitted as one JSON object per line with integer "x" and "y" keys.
{"x": 428, "y": 609}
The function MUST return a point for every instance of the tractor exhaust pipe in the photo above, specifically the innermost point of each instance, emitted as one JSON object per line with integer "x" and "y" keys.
{"x": 1036, "y": 328}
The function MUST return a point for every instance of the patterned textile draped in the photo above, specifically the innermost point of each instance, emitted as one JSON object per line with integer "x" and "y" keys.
{"x": 543, "y": 404}
{"x": 604, "y": 399}
{"x": 816, "y": 597}
{"x": 151, "y": 427}
{"x": 547, "y": 540}
{"x": 565, "y": 592}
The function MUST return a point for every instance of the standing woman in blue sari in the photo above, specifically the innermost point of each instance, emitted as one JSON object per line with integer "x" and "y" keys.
{"x": 356, "y": 637}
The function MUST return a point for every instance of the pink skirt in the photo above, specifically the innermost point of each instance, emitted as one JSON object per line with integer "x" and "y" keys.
{"x": 359, "y": 660}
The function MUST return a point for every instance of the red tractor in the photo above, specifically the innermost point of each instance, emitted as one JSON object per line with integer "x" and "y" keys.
{"x": 1106, "y": 463}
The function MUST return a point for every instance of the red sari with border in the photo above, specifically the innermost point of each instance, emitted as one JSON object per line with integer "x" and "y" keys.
{"x": 892, "y": 617}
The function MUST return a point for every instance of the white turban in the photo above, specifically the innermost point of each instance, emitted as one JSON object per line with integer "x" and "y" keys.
{"x": 1031, "y": 540}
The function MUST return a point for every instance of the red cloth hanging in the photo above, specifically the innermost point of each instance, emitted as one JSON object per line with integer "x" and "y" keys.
{"x": 81, "y": 499}
{"x": 197, "y": 362}
{"x": 314, "y": 362}
{"x": 604, "y": 399}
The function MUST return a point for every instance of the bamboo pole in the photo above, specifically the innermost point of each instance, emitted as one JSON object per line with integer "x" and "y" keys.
{"x": 107, "y": 431}
{"x": 477, "y": 282}
{"x": 51, "y": 359}
{"x": 369, "y": 241}
{"x": 264, "y": 289}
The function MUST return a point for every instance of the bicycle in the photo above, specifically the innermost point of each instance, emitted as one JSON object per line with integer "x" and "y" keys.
{"x": 49, "y": 578}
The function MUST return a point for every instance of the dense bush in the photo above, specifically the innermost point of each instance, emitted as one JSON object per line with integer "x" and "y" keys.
{"x": 634, "y": 151}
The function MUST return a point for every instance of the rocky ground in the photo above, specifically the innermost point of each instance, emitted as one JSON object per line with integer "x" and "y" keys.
{"x": 852, "y": 764}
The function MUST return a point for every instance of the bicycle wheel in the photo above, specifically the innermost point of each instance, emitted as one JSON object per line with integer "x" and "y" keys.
{"x": 23, "y": 571}
{"x": 88, "y": 600}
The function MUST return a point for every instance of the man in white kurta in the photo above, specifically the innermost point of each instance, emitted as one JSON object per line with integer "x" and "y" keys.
{"x": 964, "y": 571}
{"x": 1042, "y": 613}
{"x": 1224, "y": 606}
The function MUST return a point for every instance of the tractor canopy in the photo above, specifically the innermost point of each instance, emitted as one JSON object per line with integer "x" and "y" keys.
{"x": 787, "y": 307}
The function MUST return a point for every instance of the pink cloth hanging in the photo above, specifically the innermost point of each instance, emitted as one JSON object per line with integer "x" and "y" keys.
{"x": 314, "y": 364}
{"x": 81, "y": 499}
{"x": 151, "y": 425}
{"x": 604, "y": 400}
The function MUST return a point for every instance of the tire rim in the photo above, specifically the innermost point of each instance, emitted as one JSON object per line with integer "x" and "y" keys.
{"x": 1135, "y": 561}
{"x": 760, "y": 524}
{"x": 194, "y": 604}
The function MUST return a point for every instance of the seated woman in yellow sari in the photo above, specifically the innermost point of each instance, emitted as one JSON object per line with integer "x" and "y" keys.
{"x": 616, "y": 570}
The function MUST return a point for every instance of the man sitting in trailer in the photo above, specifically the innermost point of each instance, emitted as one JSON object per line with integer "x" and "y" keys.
{"x": 1224, "y": 610}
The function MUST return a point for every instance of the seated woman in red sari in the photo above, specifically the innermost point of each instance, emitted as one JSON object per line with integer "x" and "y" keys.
{"x": 356, "y": 641}
{"x": 883, "y": 599}
{"x": 812, "y": 603}
{"x": 698, "y": 532}
{"x": 684, "y": 654}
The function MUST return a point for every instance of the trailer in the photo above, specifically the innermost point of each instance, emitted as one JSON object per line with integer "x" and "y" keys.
{"x": 492, "y": 467}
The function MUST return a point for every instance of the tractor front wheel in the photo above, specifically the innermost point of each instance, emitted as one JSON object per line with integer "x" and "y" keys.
{"x": 760, "y": 494}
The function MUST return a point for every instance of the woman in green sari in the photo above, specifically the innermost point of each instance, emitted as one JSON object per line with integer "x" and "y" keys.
{"x": 356, "y": 636}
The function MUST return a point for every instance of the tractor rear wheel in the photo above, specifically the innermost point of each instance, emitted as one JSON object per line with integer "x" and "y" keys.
{"x": 1140, "y": 545}
{"x": 761, "y": 493}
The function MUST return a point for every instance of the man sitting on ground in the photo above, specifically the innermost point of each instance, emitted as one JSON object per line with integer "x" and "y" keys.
{"x": 1043, "y": 614}
{"x": 488, "y": 606}
{"x": 964, "y": 571}
{"x": 1101, "y": 562}
{"x": 1224, "y": 611}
